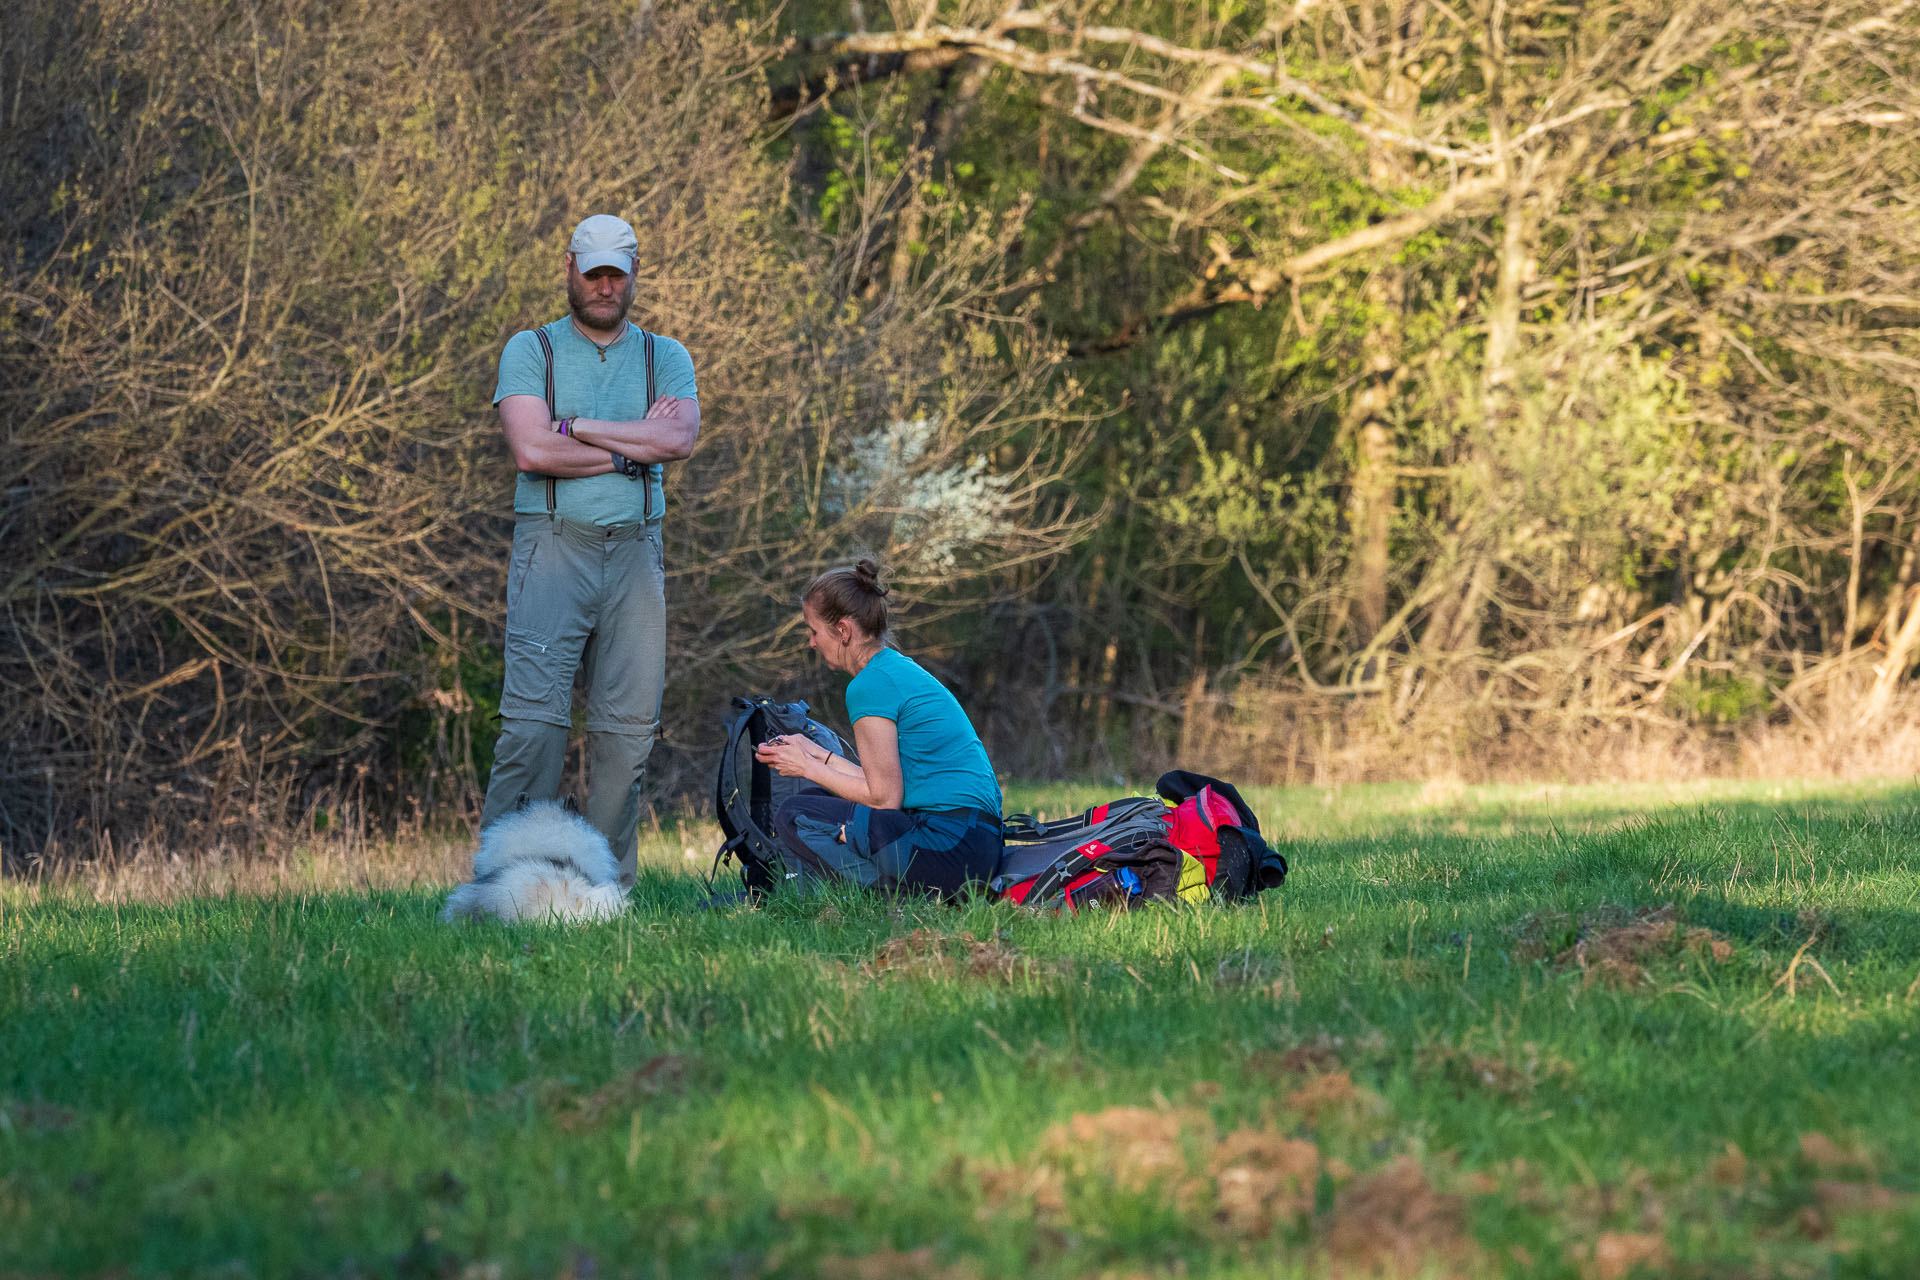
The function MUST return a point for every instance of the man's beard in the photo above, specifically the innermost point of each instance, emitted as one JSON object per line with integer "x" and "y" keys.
{"x": 592, "y": 311}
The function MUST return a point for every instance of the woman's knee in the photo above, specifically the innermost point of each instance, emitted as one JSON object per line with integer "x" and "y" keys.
{"x": 816, "y": 804}
{"x": 787, "y": 816}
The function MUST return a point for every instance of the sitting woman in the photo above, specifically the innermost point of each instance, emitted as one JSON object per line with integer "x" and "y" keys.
{"x": 920, "y": 813}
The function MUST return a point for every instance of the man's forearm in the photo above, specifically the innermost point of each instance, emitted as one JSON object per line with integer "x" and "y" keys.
{"x": 643, "y": 439}
{"x": 563, "y": 458}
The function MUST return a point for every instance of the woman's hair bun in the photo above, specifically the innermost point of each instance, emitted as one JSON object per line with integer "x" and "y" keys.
{"x": 850, "y": 593}
{"x": 867, "y": 574}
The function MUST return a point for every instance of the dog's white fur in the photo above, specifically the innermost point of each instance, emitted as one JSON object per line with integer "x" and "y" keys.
{"x": 540, "y": 863}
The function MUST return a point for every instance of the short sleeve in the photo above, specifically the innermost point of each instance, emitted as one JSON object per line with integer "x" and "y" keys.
{"x": 873, "y": 693}
{"x": 673, "y": 369}
{"x": 523, "y": 370}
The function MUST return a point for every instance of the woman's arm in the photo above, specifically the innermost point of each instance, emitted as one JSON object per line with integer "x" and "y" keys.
{"x": 875, "y": 782}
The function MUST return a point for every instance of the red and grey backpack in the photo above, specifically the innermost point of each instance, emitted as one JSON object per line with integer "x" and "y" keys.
{"x": 1196, "y": 837}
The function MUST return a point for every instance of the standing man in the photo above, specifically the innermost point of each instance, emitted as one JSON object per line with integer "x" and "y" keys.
{"x": 591, "y": 405}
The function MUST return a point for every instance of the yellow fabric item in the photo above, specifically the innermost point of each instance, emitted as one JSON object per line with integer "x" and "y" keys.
{"x": 1193, "y": 880}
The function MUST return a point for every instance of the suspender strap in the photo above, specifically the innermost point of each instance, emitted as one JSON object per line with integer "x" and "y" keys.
{"x": 553, "y": 409}
{"x": 652, "y": 470}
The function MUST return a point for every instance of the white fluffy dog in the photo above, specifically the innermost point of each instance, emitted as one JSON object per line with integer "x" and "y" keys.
{"x": 540, "y": 863}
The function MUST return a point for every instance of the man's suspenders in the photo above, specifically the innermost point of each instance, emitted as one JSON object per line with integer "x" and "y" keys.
{"x": 650, "y": 471}
{"x": 553, "y": 410}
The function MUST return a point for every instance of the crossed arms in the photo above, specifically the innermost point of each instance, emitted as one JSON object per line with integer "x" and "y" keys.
{"x": 666, "y": 434}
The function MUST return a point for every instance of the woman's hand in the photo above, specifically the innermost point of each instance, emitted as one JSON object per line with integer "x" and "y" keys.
{"x": 790, "y": 756}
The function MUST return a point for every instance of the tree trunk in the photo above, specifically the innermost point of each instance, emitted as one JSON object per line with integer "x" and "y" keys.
{"x": 1371, "y": 493}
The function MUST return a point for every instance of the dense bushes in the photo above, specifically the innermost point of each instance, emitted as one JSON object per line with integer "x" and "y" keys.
{"x": 255, "y": 496}
{"x": 1458, "y": 378}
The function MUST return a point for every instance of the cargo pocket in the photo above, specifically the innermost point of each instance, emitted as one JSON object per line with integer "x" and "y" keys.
{"x": 520, "y": 567}
{"x": 823, "y": 841}
{"x": 530, "y": 679}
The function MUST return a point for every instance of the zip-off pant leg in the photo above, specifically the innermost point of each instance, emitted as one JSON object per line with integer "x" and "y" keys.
{"x": 527, "y": 761}
{"x": 547, "y": 627}
{"x": 626, "y": 671}
{"x": 579, "y": 596}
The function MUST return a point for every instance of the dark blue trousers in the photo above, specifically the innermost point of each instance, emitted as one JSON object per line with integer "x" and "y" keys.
{"x": 931, "y": 852}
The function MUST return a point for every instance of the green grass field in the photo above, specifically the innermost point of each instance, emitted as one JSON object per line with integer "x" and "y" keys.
{"x": 1582, "y": 1032}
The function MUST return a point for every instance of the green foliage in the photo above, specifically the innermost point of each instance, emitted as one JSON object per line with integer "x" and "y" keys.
{"x": 260, "y": 263}
{"x": 1720, "y": 697}
{"x": 1601, "y": 469}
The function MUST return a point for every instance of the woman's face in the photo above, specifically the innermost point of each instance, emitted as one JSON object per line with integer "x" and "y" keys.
{"x": 830, "y": 641}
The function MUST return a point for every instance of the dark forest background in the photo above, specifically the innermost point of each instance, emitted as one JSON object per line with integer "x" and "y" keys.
{"x": 1303, "y": 391}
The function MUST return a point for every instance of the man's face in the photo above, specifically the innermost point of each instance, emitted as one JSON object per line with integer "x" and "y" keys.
{"x": 600, "y": 298}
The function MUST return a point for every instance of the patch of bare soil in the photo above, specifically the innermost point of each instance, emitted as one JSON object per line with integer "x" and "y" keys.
{"x": 928, "y": 953}
{"x": 1835, "y": 1199}
{"x": 578, "y": 1113}
{"x": 1617, "y": 1254}
{"x": 896, "y": 1264}
{"x": 37, "y": 1117}
{"x": 1613, "y": 945}
{"x": 1392, "y": 1222}
{"x": 1822, "y": 1152}
{"x": 1039, "y": 1188}
{"x": 1262, "y": 1180}
{"x": 1322, "y": 1053}
{"x": 1334, "y": 1094}
{"x": 1252, "y": 1183}
{"x": 1465, "y": 1069}
{"x": 1135, "y": 1146}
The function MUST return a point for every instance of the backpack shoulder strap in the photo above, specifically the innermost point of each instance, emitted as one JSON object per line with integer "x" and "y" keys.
{"x": 553, "y": 407}
{"x": 727, "y": 785}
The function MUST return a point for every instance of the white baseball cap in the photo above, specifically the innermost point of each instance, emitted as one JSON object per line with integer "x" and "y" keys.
{"x": 603, "y": 241}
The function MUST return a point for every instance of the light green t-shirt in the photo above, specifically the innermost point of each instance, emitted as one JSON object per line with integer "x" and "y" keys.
{"x": 585, "y": 386}
{"x": 942, "y": 762}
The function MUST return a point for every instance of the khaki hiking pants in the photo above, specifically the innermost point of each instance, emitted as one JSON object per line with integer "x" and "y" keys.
{"x": 588, "y": 599}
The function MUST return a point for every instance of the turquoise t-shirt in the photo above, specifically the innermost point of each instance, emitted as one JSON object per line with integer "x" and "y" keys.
{"x": 941, "y": 759}
{"x": 585, "y": 386}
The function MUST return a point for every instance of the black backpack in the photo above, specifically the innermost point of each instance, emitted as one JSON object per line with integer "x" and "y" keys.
{"x": 747, "y": 794}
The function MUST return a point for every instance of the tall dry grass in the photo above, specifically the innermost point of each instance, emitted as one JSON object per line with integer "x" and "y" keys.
{"x": 1268, "y": 734}
{"x": 345, "y": 860}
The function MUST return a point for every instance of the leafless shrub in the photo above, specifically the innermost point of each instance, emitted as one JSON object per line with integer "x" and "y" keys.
{"x": 254, "y": 492}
